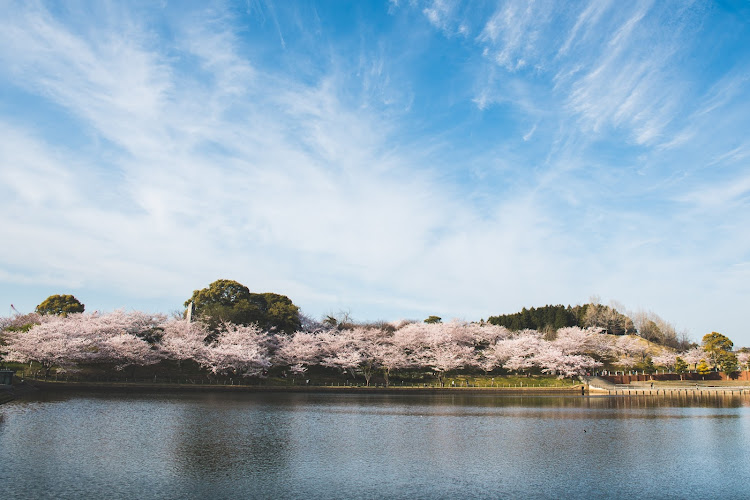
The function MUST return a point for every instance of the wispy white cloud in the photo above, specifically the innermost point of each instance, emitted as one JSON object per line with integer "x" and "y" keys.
{"x": 109, "y": 80}
{"x": 615, "y": 66}
{"x": 440, "y": 13}
{"x": 587, "y": 163}
{"x": 641, "y": 154}
{"x": 726, "y": 196}
{"x": 530, "y": 133}
{"x": 586, "y": 21}
{"x": 212, "y": 176}
{"x": 263, "y": 8}
{"x": 626, "y": 87}
{"x": 511, "y": 35}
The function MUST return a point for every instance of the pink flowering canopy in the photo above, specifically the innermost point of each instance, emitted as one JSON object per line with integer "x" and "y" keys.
{"x": 127, "y": 339}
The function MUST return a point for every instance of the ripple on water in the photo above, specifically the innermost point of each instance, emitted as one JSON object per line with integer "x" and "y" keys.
{"x": 372, "y": 446}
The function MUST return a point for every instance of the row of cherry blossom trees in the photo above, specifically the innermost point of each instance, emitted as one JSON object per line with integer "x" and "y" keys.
{"x": 122, "y": 339}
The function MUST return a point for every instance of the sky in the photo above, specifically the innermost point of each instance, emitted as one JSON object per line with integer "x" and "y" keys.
{"x": 387, "y": 159}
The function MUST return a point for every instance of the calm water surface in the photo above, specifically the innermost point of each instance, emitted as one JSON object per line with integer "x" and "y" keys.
{"x": 374, "y": 446}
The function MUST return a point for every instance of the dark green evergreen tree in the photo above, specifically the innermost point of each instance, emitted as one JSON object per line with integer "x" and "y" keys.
{"x": 60, "y": 305}
{"x": 229, "y": 301}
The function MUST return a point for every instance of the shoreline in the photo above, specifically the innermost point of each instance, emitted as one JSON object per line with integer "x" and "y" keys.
{"x": 31, "y": 387}
{"x": 671, "y": 391}
{"x": 51, "y": 386}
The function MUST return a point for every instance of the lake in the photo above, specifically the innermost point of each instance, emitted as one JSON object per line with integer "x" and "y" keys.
{"x": 310, "y": 445}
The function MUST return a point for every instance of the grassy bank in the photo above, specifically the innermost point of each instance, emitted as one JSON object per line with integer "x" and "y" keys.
{"x": 189, "y": 387}
{"x": 188, "y": 373}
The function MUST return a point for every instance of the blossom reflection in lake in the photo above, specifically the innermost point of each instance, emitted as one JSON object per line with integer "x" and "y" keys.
{"x": 312, "y": 445}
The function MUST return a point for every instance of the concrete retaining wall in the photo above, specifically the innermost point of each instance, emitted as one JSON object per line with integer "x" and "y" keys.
{"x": 743, "y": 376}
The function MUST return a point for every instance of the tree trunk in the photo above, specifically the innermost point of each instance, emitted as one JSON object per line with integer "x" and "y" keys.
{"x": 367, "y": 372}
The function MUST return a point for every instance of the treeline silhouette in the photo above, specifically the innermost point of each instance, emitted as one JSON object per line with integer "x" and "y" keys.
{"x": 554, "y": 317}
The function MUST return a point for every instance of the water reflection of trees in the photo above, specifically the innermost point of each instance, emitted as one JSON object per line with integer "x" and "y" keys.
{"x": 541, "y": 404}
{"x": 224, "y": 435}
{"x": 376, "y": 445}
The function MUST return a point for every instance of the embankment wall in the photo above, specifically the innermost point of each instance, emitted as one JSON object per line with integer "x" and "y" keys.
{"x": 743, "y": 376}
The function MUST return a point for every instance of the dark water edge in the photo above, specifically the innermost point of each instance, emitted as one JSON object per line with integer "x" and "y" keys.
{"x": 322, "y": 445}
{"x": 6, "y": 396}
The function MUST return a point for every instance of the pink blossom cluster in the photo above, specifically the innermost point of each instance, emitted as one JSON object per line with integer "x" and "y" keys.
{"x": 743, "y": 358}
{"x": 134, "y": 338}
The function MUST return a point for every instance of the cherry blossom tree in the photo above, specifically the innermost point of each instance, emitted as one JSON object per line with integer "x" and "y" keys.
{"x": 443, "y": 347}
{"x": 411, "y": 339}
{"x": 450, "y": 346}
{"x": 486, "y": 333}
{"x": 552, "y": 359}
{"x": 390, "y": 357}
{"x": 118, "y": 337}
{"x": 366, "y": 342}
{"x": 517, "y": 353}
{"x": 626, "y": 362}
{"x": 693, "y": 356}
{"x": 457, "y": 332}
{"x": 129, "y": 339}
{"x": 631, "y": 350}
{"x": 575, "y": 340}
{"x": 667, "y": 359}
{"x": 48, "y": 344}
{"x": 183, "y": 340}
{"x": 743, "y": 359}
{"x": 446, "y": 357}
{"x": 126, "y": 350}
{"x": 238, "y": 349}
{"x": 495, "y": 355}
{"x": 298, "y": 351}
{"x": 23, "y": 321}
{"x": 356, "y": 350}
{"x": 339, "y": 350}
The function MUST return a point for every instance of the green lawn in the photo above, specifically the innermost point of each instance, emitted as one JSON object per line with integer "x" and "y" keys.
{"x": 511, "y": 381}
{"x": 190, "y": 373}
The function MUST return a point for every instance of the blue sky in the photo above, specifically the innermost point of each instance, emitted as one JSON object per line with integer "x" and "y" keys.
{"x": 392, "y": 159}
